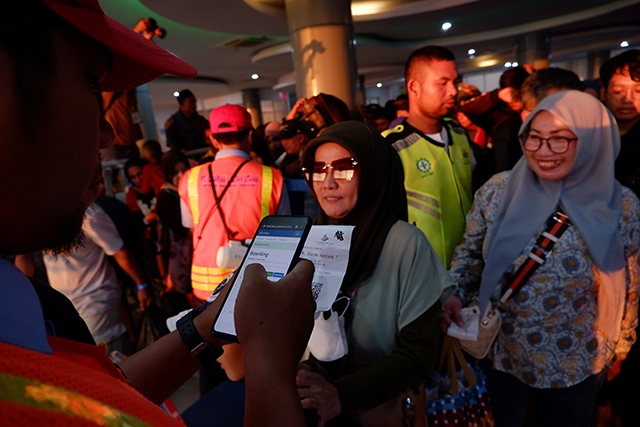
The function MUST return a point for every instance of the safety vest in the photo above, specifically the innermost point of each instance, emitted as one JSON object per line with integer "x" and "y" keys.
{"x": 76, "y": 386}
{"x": 438, "y": 184}
{"x": 254, "y": 193}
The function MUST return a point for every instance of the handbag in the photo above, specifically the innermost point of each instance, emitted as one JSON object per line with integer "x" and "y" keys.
{"x": 408, "y": 409}
{"x": 458, "y": 398}
{"x": 488, "y": 330}
{"x": 489, "y": 326}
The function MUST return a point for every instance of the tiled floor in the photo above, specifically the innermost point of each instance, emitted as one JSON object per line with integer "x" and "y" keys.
{"x": 186, "y": 395}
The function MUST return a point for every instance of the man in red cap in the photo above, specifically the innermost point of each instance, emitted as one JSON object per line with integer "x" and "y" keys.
{"x": 54, "y": 56}
{"x": 231, "y": 210}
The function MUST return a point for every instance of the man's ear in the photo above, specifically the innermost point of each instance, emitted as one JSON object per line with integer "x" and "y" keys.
{"x": 413, "y": 88}
{"x": 301, "y": 140}
{"x": 246, "y": 144}
{"x": 603, "y": 93}
{"x": 214, "y": 142}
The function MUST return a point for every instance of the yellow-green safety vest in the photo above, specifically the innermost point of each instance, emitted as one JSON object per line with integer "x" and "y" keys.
{"x": 438, "y": 185}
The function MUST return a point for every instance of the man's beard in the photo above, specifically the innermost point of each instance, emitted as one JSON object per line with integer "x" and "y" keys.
{"x": 71, "y": 235}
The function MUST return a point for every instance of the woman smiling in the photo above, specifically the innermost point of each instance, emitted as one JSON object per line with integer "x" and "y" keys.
{"x": 575, "y": 315}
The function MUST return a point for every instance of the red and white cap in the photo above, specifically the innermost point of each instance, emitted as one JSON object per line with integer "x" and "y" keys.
{"x": 136, "y": 60}
{"x": 229, "y": 118}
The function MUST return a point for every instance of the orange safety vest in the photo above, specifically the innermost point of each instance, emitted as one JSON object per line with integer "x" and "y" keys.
{"x": 254, "y": 193}
{"x": 75, "y": 386}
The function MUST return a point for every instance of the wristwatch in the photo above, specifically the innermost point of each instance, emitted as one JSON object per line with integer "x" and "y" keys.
{"x": 199, "y": 348}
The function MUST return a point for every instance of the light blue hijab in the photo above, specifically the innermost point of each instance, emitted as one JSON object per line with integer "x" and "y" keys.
{"x": 589, "y": 195}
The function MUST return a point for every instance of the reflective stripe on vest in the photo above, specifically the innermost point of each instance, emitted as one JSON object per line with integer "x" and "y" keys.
{"x": 208, "y": 278}
{"x": 192, "y": 188}
{"x": 267, "y": 186}
{"x": 438, "y": 187}
{"x": 433, "y": 211}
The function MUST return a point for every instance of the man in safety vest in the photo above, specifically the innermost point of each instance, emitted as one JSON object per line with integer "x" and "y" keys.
{"x": 244, "y": 192}
{"x": 435, "y": 150}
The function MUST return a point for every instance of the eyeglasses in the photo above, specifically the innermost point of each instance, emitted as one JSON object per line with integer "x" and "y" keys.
{"x": 343, "y": 169}
{"x": 557, "y": 144}
{"x": 621, "y": 92}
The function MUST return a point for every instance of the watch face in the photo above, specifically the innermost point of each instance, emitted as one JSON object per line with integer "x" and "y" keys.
{"x": 204, "y": 353}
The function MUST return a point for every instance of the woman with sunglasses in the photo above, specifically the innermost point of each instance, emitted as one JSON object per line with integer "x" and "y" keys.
{"x": 574, "y": 317}
{"x": 394, "y": 279}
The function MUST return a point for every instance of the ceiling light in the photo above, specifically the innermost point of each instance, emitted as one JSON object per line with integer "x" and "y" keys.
{"x": 363, "y": 8}
{"x": 514, "y": 64}
{"x": 379, "y": 85}
{"x": 446, "y": 26}
{"x": 624, "y": 44}
{"x": 176, "y": 94}
{"x": 487, "y": 63}
{"x": 471, "y": 51}
{"x": 507, "y": 64}
{"x": 255, "y": 76}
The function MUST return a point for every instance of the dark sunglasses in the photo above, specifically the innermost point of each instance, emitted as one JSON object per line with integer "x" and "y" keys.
{"x": 343, "y": 169}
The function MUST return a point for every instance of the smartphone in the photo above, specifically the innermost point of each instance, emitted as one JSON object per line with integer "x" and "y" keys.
{"x": 276, "y": 245}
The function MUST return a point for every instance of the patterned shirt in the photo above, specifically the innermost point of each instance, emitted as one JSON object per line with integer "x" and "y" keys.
{"x": 549, "y": 336}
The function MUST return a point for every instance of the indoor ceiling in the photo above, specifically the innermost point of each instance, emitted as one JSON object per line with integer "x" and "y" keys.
{"x": 211, "y": 35}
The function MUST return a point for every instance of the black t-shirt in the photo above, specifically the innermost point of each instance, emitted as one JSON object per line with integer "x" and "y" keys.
{"x": 186, "y": 133}
{"x": 627, "y": 166}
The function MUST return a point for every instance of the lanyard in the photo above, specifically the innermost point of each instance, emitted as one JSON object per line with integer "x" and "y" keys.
{"x": 219, "y": 199}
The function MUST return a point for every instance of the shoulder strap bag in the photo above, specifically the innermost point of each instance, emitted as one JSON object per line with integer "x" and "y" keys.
{"x": 489, "y": 326}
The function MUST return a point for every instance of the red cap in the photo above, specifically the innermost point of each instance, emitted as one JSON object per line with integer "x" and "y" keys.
{"x": 229, "y": 118}
{"x": 136, "y": 60}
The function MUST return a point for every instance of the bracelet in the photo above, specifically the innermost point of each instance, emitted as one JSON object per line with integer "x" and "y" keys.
{"x": 141, "y": 287}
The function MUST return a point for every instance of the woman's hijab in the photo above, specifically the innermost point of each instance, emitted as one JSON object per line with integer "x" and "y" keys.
{"x": 382, "y": 200}
{"x": 589, "y": 195}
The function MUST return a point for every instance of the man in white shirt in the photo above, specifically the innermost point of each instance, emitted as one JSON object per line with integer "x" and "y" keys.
{"x": 90, "y": 282}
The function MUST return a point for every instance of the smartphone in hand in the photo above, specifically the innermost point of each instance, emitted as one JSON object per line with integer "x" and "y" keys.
{"x": 276, "y": 245}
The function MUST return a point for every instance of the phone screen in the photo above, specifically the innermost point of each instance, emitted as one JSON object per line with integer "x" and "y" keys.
{"x": 276, "y": 246}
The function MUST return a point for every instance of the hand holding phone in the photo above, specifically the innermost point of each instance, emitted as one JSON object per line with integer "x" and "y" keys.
{"x": 276, "y": 246}
{"x": 276, "y": 318}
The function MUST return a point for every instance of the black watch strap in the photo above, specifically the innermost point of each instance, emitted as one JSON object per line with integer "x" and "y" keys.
{"x": 199, "y": 348}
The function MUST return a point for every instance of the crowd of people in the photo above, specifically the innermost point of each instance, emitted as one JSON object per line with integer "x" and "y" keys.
{"x": 451, "y": 192}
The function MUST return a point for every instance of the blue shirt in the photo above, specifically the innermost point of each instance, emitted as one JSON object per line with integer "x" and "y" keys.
{"x": 20, "y": 311}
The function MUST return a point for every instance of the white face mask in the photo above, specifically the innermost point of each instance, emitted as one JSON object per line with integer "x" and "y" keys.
{"x": 328, "y": 340}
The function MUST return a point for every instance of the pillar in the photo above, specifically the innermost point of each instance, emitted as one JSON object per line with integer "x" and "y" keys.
{"x": 321, "y": 33}
{"x": 251, "y": 98}
{"x": 533, "y": 49}
{"x": 146, "y": 112}
{"x": 594, "y": 62}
